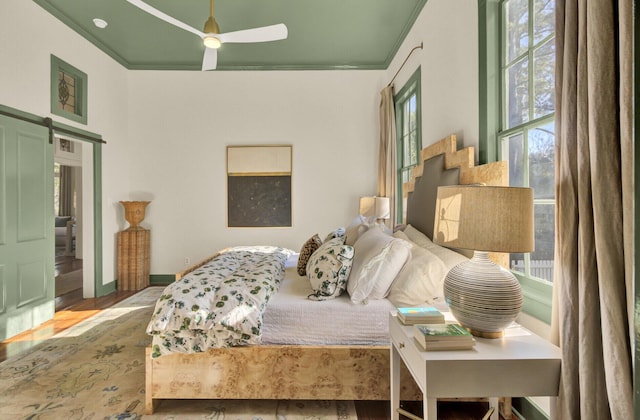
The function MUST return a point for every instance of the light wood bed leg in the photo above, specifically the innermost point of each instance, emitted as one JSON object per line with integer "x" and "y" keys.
{"x": 507, "y": 411}
{"x": 149, "y": 404}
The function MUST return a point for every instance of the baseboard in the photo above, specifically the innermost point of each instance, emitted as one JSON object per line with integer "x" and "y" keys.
{"x": 105, "y": 289}
{"x": 524, "y": 408}
{"x": 161, "y": 279}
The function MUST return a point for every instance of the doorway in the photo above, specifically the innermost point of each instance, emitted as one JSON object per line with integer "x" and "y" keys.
{"x": 27, "y": 242}
{"x": 68, "y": 265}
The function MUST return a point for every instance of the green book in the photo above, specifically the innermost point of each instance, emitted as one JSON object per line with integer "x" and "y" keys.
{"x": 443, "y": 337}
{"x": 446, "y": 345}
{"x": 441, "y": 332}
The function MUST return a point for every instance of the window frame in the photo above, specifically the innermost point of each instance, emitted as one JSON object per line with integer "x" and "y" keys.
{"x": 537, "y": 292}
{"x": 81, "y": 78}
{"x": 411, "y": 87}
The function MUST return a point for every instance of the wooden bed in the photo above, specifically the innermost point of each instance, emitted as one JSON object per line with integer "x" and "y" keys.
{"x": 316, "y": 372}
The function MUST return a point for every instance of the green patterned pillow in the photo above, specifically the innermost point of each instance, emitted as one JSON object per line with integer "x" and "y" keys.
{"x": 328, "y": 269}
{"x": 337, "y": 233}
{"x": 307, "y": 250}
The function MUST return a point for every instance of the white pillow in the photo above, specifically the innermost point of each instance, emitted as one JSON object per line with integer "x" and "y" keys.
{"x": 377, "y": 261}
{"x": 421, "y": 279}
{"x": 328, "y": 269}
{"x": 356, "y": 228}
{"x": 400, "y": 234}
{"x": 449, "y": 257}
{"x": 418, "y": 237}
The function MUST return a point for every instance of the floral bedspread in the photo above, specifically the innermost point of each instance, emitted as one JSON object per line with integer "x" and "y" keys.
{"x": 219, "y": 304}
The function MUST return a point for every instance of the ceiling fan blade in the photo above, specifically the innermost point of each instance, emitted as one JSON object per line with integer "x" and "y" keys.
{"x": 210, "y": 59}
{"x": 160, "y": 15}
{"x": 263, "y": 34}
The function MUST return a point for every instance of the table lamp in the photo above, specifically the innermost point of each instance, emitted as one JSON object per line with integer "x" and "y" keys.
{"x": 375, "y": 209}
{"x": 483, "y": 296}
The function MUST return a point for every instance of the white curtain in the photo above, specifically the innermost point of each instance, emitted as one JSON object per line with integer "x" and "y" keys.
{"x": 594, "y": 222}
{"x": 387, "y": 155}
{"x": 66, "y": 191}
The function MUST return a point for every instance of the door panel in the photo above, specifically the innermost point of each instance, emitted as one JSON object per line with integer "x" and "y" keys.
{"x": 32, "y": 187}
{"x": 2, "y": 289}
{"x": 26, "y": 227}
{"x": 3, "y": 190}
{"x": 32, "y": 282}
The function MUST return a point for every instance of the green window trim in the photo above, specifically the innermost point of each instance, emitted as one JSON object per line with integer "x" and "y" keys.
{"x": 537, "y": 293}
{"x": 81, "y": 84}
{"x": 537, "y": 297}
{"x": 411, "y": 87}
{"x": 489, "y": 79}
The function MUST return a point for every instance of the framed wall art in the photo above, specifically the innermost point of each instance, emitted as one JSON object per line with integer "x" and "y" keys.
{"x": 259, "y": 186}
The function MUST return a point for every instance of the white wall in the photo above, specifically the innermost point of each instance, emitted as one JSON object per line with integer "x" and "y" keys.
{"x": 182, "y": 123}
{"x": 28, "y": 36}
{"x": 167, "y": 132}
{"x": 448, "y": 30}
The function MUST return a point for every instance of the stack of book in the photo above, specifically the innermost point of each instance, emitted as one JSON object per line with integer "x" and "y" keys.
{"x": 426, "y": 315}
{"x": 443, "y": 337}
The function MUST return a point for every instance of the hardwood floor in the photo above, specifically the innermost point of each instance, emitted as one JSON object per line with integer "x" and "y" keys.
{"x": 68, "y": 278}
{"x": 447, "y": 410}
{"x": 62, "y": 320}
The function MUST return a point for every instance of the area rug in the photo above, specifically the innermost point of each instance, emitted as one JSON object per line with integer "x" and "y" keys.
{"x": 95, "y": 370}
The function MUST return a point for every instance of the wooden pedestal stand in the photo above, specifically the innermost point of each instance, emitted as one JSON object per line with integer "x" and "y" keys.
{"x": 133, "y": 259}
{"x": 133, "y": 249}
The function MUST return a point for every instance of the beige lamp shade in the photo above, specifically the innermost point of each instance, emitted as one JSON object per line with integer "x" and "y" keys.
{"x": 484, "y": 218}
{"x": 375, "y": 207}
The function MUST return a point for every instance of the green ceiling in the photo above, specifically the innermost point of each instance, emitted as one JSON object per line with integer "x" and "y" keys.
{"x": 323, "y": 34}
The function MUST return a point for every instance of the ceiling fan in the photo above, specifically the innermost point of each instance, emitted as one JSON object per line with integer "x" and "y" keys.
{"x": 211, "y": 36}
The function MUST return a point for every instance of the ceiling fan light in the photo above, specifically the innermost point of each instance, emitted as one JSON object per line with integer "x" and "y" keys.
{"x": 100, "y": 23}
{"x": 212, "y": 42}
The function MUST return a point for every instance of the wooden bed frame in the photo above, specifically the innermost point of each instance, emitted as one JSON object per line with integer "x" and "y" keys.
{"x": 315, "y": 372}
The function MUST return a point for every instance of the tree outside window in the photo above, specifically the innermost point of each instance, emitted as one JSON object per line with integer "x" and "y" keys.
{"x": 527, "y": 139}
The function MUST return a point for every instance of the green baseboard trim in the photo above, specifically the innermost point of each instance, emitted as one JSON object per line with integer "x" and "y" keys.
{"x": 106, "y": 289}
{"x": 161, "y": 279}
{"x": 524, "y": 408}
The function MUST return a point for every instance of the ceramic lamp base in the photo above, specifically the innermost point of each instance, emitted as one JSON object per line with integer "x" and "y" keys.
{"x": 482, "y": 296}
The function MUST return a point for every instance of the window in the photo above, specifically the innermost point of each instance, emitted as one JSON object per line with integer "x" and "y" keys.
{"x": 516, "y": 46}
{"x": 68, "y": 91}
{"x": 527, "y": 138}
{"x": 409, "y": 138}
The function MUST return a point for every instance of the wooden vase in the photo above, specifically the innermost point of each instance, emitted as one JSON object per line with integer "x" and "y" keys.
{"x": 134, "y": 212}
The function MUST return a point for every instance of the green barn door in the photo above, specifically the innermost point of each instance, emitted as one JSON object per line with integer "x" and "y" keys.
{"x": 26, "y": 227}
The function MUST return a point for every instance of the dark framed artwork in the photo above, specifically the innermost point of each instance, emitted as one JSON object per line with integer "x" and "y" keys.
{"x": 259, "y": 186}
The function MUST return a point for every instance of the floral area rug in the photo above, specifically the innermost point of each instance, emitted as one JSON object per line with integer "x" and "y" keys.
{"x": 95, "y": 370}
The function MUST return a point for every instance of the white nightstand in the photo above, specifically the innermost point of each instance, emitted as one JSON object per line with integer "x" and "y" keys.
{"x": 518, "y": 365}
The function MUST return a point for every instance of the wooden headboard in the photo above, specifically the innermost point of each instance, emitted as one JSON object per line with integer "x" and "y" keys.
{"x": 443, "y": 164}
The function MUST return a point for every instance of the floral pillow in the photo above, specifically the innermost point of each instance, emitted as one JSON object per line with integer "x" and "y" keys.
{"x": 328, "y": 269}
{"x": 308, "y": 248}
{"x": 338, "y": 233}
